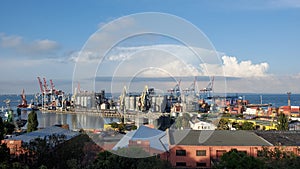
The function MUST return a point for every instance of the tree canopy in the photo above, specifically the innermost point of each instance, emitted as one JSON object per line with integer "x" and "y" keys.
{"x": 108, "y": 160}
{"x": 282, "y": 122}
{"x": 32, "y": 122}
{"x": 238, "y": 160}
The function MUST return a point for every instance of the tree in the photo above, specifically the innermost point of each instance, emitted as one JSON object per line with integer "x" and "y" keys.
{"x": 282, "y": 122}
{"x": 239, "y": 160}
{"x": 32, "y": 122}
{"x": 4, "y": 156}
{"x": 182, "y": 122}
{"x": 247, "y": 126}
{"x": 278, "y": 158}
{"x": 107, "y": 160}
{"x": 223, "y": 124}
{"x": 1, "y": 129}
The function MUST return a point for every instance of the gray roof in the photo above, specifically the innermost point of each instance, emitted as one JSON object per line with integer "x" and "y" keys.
{"x": 216, "y": 138}
{"x": 27, "y": 137}
{"x": 286, "y": 138}
{"x": 158, "y": 139}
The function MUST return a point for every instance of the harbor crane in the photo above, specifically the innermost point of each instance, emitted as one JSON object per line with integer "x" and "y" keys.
{"x": 192, "y": 88}
{"x": 46, "y": 86}
{"x": 41, "y": 85}
{"x": 209, "y": 88}
{"x": 24, "y": 101}
{"x": 176, "y": 89}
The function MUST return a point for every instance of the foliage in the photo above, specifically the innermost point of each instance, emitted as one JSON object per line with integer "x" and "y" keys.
{"x": 9, "y": 128}
{"x": 165, "y": 122}
{"x": 107, "y": 160}
{"x": 282, "y": 122}
{"x": 247, "y": 126}
{"x": 114, "y": 125}
{"x": 32, "y": 122}
{"x": 223, "y": 124}
{"x": 4, "y": 153}
{"x": 238, "y": 160}
{"x": 134, "y": 127}
{"x": 182, "y": 122}
{"x": 278, "y": 158}
{"x": 5, "y": 128}
{"x": 1, "y": 129}
{"x": 41, "y": 149}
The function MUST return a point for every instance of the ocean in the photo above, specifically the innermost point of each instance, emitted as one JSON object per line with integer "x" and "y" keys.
{"x": 276, "y": 100}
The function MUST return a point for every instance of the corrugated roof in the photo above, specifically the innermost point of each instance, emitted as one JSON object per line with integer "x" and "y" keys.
{"x": 285, "y": 138}
{"x": 216, "y": 138}
{"x": 42, "y": 133}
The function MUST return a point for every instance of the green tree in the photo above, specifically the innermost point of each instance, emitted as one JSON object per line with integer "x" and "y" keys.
{"x": 107, "y": 160}
{"x": 114, "y": 125}
{"x": 4, "y": 156}
{"x": 247, "y": 126}
{"x": 183, "y": 121}
{"x": 1, "y": 129}
{"x": 32, "y": 122}
{"x": 278, "y": 158}
{"x": 9, "y": 128}
{"x": 223, "y": 124}
{"x": 238, "y": 160}
{"x": 282, "y": 122}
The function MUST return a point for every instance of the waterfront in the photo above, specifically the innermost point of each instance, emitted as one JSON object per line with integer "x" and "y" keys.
{"x": 46, "y": 119}
{"x": 95, "y": 121}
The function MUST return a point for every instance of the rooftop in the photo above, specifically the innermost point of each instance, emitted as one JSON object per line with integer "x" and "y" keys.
{"x": 157, "y": 138}
{"x": 27, "y": 137}
{"x": 216, "y": 138}
{"x": 285, "y": 138}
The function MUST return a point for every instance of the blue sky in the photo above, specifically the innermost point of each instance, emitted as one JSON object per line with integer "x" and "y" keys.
{"x": 34, "y": 32}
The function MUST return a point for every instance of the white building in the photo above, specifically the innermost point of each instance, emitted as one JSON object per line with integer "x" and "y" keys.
{"x": 201, "y": 125}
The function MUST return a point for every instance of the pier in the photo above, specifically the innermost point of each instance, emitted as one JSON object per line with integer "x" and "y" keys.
{"x": 109, "y": 113}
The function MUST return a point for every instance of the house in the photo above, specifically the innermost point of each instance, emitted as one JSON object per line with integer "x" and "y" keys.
{"x": 15, "y": 143}
{"x": 202, "y": 125}
{"x": 294, "y": 125}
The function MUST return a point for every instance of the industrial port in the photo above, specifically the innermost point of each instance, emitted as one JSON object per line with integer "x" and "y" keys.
{"x": 147, "y": 106}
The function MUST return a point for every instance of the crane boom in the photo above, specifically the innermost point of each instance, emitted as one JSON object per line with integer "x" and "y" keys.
{"x": 52, "y": 85}
{"x": 40, "y": 84}
{"x": 45, "y": 85}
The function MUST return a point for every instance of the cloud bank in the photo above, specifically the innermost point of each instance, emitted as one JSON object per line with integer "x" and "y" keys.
{"x": 231, "y": 67}
{"x": 175, "y": 59}
{"x": 30, "y": 48}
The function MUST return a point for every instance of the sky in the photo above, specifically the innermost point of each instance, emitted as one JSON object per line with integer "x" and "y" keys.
{"x": 257, "y": 43}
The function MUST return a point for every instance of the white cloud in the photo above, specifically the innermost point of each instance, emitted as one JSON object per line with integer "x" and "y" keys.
{"x": 233, "y": 68}
{"x": 174, "y": 59}
{"x": 10, "y": 41}
{"x": 34, "y": 48}
{"x": 44, "y": 45}
{"x": 244, "y": 68}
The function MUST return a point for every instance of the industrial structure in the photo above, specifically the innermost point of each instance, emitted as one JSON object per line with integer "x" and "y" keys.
{"x": 51, "y": 98}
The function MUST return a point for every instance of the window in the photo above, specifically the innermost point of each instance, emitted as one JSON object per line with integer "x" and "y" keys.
{"x": 180, "y": 153}
{"x": 200, "y": 152}
{"x": 178, "y": 164}
{"x": 201, "y": 164}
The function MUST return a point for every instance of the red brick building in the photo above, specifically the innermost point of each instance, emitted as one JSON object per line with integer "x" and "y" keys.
{"x": 201, "y": 149}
